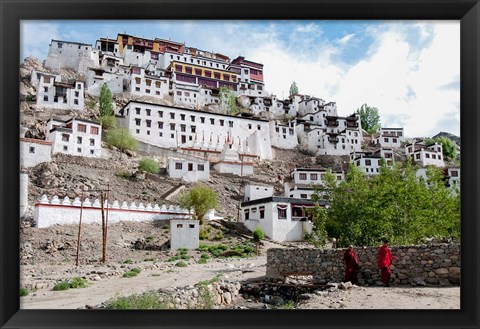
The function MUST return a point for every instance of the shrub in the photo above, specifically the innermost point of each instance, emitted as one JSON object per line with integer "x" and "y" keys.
{"x": 202, "y": 261}
{"x": 149, "y": 238}
{"x": 204, "y": 255}
{"x": 203, "y": 246}
{"x": 218, "y": 236}
{"x": 128, "y": 261}
{"x": 290, "y": 305}
{"x": 205, "y": 232}
{"x": 133, "y": 272}
{"x": 205, "y": 298}
{"x": 148, "y": 165}
{"x": 121, "y": 138}
{"x": 62, "y": 286}
{"x": 184, "y": 256}
{"x": 90, "y": 104}
{"x": 181, "y": 264}
{"x": 78, "y": 283}
{"x": 23, "y": 292}
{"x": 108, "y": 122}
{"x": 147, "y": 301}
{"x": 152, "y": 259}
{"x": 173, "y": 258}
{"x": 124, "y": 174}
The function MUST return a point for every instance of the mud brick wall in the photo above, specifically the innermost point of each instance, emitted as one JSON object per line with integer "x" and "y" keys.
{"x": 437, "y": 264}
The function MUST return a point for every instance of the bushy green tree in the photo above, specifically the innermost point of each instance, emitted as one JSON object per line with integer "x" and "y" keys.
{"x": 106, "y": 101}
{"x": 258, "y": 236}
{"x": 449, "y": 147}
{"x": 121, "y": 138}
{"x": 148, "y": 164}
{"x": 108, "y": 122}
{"x": 228, "y": 100}
{"x": 394, "y": 203}
{"x": 369, "y": 118}
{"x": 199, "y": 199}
{"x": 293, "y": 89}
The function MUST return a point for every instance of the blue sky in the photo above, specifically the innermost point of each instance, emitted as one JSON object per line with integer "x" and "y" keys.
{"x": 409, "y": 70}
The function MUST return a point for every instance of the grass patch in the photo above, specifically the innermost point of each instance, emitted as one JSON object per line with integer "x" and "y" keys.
{"x": 127, "y": 261}
{"x": 219, "y": 236}
{"x": 184, "y": 256}
{"x": 23, "y": 292}
{"x": 216, "y": 278}
{"x": 290, "y": 305}
{"x": 150, "y": 300}
{"x": 204, "y": 255}
{"x": 181, "y": 264}
{"x": 79, "y": 283}
{"x": 204, "y": 233}
{"x": 124, "y": 175}
{"x": 61, "y": 286}
{"x": 173, "y": 258}
{"x": 152, "y": 259}
{"x": 202, "y": 261}
{"x": 133, "y": 272}
{"x": 149, "y": 238}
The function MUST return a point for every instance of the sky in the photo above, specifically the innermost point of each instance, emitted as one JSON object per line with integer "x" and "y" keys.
{"x": 409, "y": 70}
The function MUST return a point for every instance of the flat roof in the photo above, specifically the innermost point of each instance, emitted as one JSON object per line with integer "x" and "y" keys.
{"x": 72, "y": 42}
{"x": 283, "y": 199}
{"x": 192, "y": 110}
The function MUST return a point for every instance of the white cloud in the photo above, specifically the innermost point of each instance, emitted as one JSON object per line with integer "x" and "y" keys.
{"x": 309, "y": 28}
{"x": 345, "y": 39}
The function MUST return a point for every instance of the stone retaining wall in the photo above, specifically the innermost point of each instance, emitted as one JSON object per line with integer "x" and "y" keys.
{"x": 437, "y": 264}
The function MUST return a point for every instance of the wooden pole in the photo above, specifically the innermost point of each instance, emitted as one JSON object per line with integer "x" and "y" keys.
{"x": 106, "y": 220}
{"x": 79, "y": 230}
{"x": 103, "y": 228}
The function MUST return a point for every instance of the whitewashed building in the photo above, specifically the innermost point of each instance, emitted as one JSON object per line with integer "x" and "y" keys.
{"x": 282, "y": 219}
{"x": 283, "y": 136}
{"x": 389, "y": 137}
{"x": 174, "y": 127}
{"x": 425, "y": 155}
{"x": 232, "y": 162}
{"x": 303, "y": 181}
{"x": 72, "y": 55}
{"x": 452, "y": 175}
{"x": 184, "y": 233}
{"x": 254, "y": 192}
{"x": 192, "y": 170}
{"x": 54, "y": 93}
{"x": 75, "y": 137}
{"x": 371, "y": 162}
{"x": 142, "y": 83}
{"x": 34, "y": 151}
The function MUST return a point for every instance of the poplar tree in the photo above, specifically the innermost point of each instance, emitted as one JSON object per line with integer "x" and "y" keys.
{"x": 105, "y": 100}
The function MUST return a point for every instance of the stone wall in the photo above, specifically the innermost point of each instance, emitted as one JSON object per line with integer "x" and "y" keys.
{"x": 437, "y": 264}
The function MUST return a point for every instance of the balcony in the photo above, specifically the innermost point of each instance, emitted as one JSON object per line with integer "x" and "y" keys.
{"x": 331, "y": 123}
{"x": 333, "y": 140}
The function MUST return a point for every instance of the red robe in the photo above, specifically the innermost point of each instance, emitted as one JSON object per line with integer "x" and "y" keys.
{"x": 385, "y": 259}
{"x": 350, "y": 261}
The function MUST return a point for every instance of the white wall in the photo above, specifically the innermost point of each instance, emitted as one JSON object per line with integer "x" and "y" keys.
{"x": 184, "y": 234}
{"x": 254, "y": 192}
{"x": 234, "y": 168}
{"x": 256, "y": 131}
{"x": 54, "y": 211}
{"x": 46, "y": 92}
{"x": 33, "y": 152}
{"x": 194, "y": 175}
{"x": 23, "y": 194}
{"x": 283, "y": 136}
{"x": 73, "y": 55}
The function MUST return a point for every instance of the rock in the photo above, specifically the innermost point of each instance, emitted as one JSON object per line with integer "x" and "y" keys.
{"x": 441, "y": 271}
{"x": 421, "y": 283}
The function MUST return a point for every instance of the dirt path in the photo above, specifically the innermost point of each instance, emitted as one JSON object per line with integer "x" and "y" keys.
{"x": 100, "y": 291}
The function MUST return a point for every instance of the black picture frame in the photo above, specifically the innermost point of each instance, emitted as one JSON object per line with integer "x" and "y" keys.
{"x": 467, "y": 11}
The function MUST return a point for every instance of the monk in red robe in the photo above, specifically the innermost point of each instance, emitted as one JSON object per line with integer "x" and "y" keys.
{"x": 350, "y": 262}
{"x": 385, "y": 259}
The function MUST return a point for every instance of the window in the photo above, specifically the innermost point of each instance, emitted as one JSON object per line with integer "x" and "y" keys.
{"x": 157, "y": 84}
{"x": 386, "y": 140}
{"x": 179, "y": 225}
{"x": 303, "y": 196}
{"x": 191, "y": 225}
{"x": 172, "y": 115}
{"x": 160, "y": 125}
{"x": 454, "y": 173}
{"x": 160, "y": 114}
{"x": 201, "y": 167}
{"x": 249, "y": 126}
{"x": 178, "y": 166}
{"x": 193, "y": 128}
{"x": 172, "y": 126}
{"x": 92, "y": 142}
{"x": 259, "y": 127}
{"x": 192, "y": 118}
{"x": 137, "y": 122}
{"x": 45, "y": 98}
{"x": 82, "y": 128}
{"x": 230, "y": 124}
{"x": 160, "y": 134}
{"x": 137, "y": 88}
{"x": 149, "y": 123}
{"x": 247, "y": 214}
{"x": 212, "y": 121}
{"x": 313, "y": 176}
{"x": 394, "y": 140}
{"x": 76, "y": 94}
{"x": 31, "y": 149}
{"x": 303, "y": 176}
{"x": 179, "y": 93}
{"x": 262, "y": 211}
{"x": 222, "y": 122}
{"x": 427, "y": 155}
{"x": 65, "y": 148}
{"x": 79, "y": 140}
{"x": 182, "y": 117}
{"x": 434, "y": 156}
{"x": 190, "y": 167}
{"x": 137, "y": 110}
{"x": 65, "y": 137}
{"x": 282, "y": 212}
{"x": 45, "y": 89}
{"x": 198, "y": 71}
{"x": 188, "y": 70}
{"x": 148, "y": 111}
{"x": 137, "y": 131}
{"x": 46, "y": 79}
{"x": 417, "y": 156}
{"x": 79, "y": 150}
{"x": 202, "y": 119}
{"x": 368, "y": 162}
{"x": 183, "y": 128}
{"x": 75, "y": 101}
{"x": 216, "y": 75}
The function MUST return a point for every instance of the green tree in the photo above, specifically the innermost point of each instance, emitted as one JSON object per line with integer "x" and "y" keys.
{"x": 394, "y": 203}
{"x": 258, "y": 236}
{"x": 108, "y": 122}
{"x": 199, "y": 199}
{"x": 228, "y": 100}
{"x": 449, "y": 147}
{"x": 293, "y": 89}
{"x": 106, "y": 101}
{"x": 121, "y": 138}
{"x": 149, "y": 165}
{"x": 369, "y": 118}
